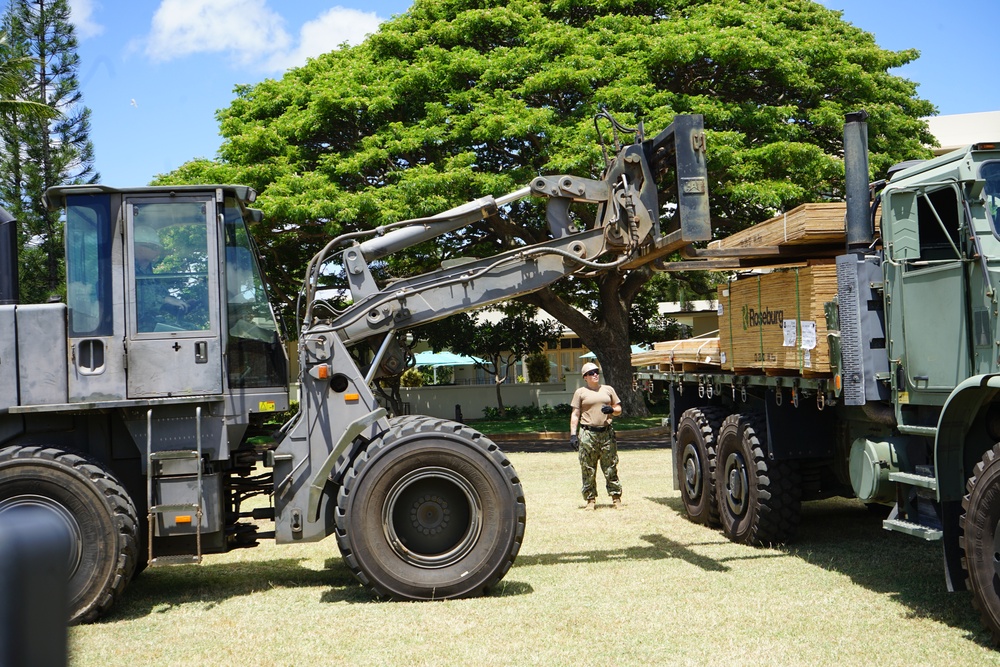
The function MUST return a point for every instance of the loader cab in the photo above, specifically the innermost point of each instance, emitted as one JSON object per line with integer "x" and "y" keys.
{"x": 165, "y": 297}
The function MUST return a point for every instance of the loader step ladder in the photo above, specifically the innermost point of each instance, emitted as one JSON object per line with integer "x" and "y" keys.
{"x": 177, "y": 455}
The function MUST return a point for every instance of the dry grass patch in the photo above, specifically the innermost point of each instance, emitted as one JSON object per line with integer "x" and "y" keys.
{"x": 632, "y": 587}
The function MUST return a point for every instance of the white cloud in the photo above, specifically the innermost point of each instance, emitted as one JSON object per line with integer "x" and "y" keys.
{"x": 325, "y": 33}
{"x": 81, "y": 14}
{"x": 250, "y": 32}
{"x": 243, "y": 29}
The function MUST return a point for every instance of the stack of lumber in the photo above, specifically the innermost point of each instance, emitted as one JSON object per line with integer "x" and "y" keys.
{"x": 680, "y": 355}
{"x": 775, "y": 323}
{"x": 804, "y": 225}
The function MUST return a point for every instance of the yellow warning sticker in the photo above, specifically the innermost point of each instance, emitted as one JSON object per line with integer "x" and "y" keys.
{"x": 265, "y": 406}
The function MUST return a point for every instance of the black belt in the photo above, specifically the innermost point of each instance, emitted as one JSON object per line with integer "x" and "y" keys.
{"x": 595, "y": 429}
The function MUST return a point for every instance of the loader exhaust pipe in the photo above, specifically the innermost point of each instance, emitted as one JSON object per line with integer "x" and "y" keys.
{"x": 10, "y": 291}
{"x": 860, "y": 235}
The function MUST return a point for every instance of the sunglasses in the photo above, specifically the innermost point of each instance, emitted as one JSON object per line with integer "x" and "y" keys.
{"x": 592, "y": 373}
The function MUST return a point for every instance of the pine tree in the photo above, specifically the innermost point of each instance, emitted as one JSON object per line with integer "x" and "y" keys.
{"x": 40, "y": 152}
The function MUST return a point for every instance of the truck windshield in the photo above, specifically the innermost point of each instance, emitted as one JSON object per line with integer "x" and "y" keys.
{"x": 255, "y": 355}
{"x": 990, "y": 172}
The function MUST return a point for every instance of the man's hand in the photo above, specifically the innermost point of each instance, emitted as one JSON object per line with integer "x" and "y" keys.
{"x": 574, "y": 442}
{"x": 607, "y": 409}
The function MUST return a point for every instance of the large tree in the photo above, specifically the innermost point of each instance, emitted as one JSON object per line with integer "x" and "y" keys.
{"x": 459, "y": 98}
{"x": 42, "y": 150}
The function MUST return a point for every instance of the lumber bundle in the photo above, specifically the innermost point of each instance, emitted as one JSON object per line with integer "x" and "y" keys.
{"x": 805, "y": 224}
{"x": 680, "y": 355}
{"x": 775, "y": 323}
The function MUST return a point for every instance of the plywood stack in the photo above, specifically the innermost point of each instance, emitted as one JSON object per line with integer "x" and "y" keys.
{"x": 680, "y": 355}
{"x": 805, "y": 224}
{"x": 775, "y": 323}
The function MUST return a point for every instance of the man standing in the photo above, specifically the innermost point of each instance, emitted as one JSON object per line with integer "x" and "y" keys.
{"x": 593, "y": 407}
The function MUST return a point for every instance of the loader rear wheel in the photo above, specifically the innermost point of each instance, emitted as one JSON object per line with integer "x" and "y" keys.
{"x": 433, "y": 510}
{"x": 980, "y": 539}
{"x": 697, "y": 430}
{"x": 759, "y": 499}
{"x": 94, "y": 508}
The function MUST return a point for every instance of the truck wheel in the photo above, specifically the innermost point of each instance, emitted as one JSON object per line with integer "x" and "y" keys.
{"x": 95, "y": 509}
{"x": 433, "y": 510}
{"x": 759, "y": 500}
{"x": 979, "y": 539}
{"x": 695, "y": 440}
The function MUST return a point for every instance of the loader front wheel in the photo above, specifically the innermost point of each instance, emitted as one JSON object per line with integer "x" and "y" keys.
{"x": 95, "y": 510}
{"x": 980, "y": 539}
{"x": 697, "y": 431}
{"x": 433, "y": 510}
{"x": 758, "y": 498}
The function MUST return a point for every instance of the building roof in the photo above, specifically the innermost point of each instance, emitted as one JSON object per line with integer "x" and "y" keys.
{"x": 963, "y": 129}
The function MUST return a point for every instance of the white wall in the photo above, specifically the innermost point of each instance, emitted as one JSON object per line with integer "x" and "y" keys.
{"x": 440, "y": 401}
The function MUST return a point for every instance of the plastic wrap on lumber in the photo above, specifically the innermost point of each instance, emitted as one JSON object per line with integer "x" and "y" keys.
{"x": 805, "y": 224}
{"x": 767, "y": 321}
{"x": 678, "y": 354}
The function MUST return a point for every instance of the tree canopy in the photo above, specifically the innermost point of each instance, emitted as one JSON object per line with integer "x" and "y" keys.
{"x": 456, "y": 99}
{"x": 44, "y": 137}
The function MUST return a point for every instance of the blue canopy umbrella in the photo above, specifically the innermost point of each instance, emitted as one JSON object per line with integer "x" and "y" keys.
{"x": 435, "y": 359}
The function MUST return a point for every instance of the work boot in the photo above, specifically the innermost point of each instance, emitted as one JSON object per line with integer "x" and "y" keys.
{"x": 616, "y": 502}
{"x": 592, "y": 504}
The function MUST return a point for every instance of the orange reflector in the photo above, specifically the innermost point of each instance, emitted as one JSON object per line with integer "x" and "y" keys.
{"x": 183, "y": 518}
{"x": 837, "y": 382}
{"x": 352, "y": 397}
{"x": 323, "y": 372}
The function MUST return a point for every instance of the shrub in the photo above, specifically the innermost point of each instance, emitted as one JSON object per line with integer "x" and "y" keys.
{"x": 538, "y": 367}
{"x": 411, "y": 377}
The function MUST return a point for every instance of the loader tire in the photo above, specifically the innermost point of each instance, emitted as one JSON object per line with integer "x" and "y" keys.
{"x": 696, "y": 439}
{"x": 432, "y": 510}
{"x": 979, "y": 539}
{"x": 759, "y": 499}
{"x": 95, "y": 509}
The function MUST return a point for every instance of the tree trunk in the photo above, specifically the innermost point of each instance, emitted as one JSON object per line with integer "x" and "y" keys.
{"x": 607, "y": 338}
{"x": 500, "y": 405}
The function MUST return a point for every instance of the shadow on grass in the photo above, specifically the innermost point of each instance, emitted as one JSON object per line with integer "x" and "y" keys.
{"x": 660, "y": 548}
{"x": 161, "y": 589}
{"x": 844, "y": 536}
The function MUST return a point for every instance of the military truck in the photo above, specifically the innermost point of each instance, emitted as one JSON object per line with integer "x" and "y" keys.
{"x": 133, "y": 411}
{"x": 908, "y": 414}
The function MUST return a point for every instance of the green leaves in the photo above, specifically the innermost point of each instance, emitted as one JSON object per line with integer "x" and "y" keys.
{"x": 456, "y": 99}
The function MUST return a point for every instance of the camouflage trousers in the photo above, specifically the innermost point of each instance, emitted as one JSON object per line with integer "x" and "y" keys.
{"x": 599, "y": 447}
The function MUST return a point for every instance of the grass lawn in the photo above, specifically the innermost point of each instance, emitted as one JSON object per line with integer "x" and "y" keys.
{"x": 637, "y": 586}
{"x": 559, "y": 424}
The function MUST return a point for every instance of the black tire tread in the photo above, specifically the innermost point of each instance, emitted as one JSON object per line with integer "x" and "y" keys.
{"x": 778, "y": 486}
{"x": 707, "y": 420}
{"x": 401, "y": 428}
{"x": 989, "y": 621}
{"x": 118, "y": 503}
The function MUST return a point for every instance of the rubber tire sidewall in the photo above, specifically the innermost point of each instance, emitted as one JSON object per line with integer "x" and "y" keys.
{"x": 104, "y": 557}
{"x": 487, "y": 560}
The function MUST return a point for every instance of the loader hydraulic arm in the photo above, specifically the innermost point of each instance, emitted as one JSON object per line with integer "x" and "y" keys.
{"x": 627, "y": 233}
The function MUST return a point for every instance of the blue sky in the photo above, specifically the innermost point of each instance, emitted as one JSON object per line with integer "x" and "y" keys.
{"x": 154, "y": 72}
